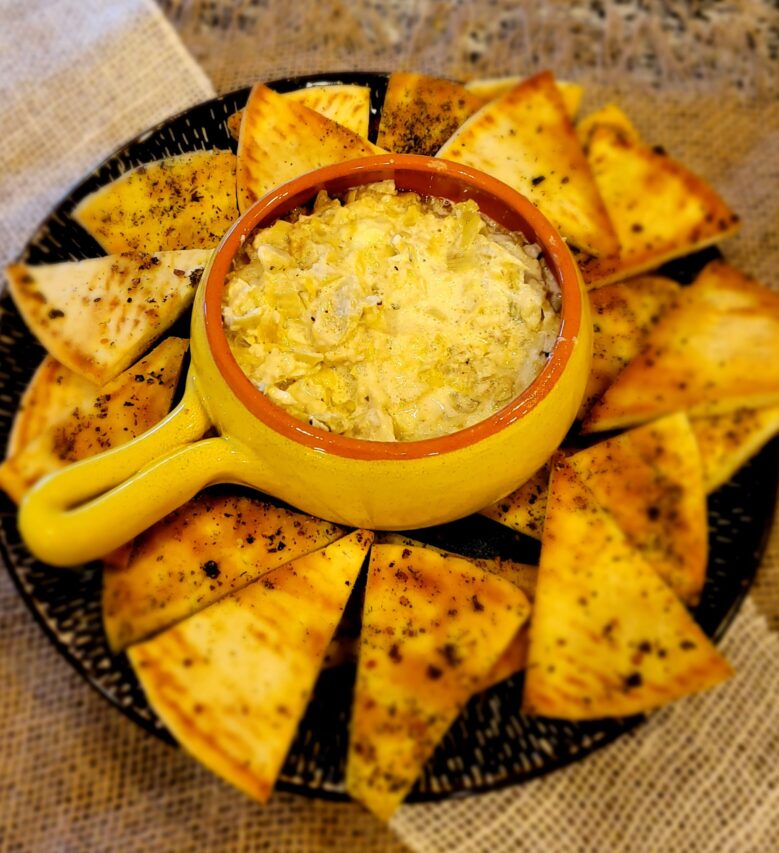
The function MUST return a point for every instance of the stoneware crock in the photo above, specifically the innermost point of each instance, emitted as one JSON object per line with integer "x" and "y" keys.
{"x": 89, "y": 508}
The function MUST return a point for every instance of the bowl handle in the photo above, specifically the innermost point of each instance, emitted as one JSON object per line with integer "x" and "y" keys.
{"x": 89, "y": 508}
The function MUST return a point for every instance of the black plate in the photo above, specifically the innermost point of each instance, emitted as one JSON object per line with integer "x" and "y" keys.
{"x": 491, "y": 744}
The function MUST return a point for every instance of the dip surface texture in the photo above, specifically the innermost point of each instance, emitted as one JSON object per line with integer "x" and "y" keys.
{"x": 389, "y": 316}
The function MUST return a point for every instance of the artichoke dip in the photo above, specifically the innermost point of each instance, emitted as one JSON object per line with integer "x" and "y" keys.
{"x": 390, "y": 316}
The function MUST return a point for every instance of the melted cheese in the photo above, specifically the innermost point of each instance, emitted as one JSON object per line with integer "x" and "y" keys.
{"x": 389, "y": 316}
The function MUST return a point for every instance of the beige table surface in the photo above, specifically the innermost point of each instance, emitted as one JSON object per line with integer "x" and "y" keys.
{"x": 75, "y": 774}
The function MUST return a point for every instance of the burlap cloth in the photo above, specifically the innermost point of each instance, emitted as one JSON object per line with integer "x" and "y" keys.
{"x": 76, "y": 80}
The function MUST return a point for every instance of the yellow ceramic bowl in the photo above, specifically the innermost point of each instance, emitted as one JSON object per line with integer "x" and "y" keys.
{"x": 91, "y": 507}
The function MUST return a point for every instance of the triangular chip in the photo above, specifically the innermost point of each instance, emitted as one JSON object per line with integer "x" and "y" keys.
{"x": 514, "y": 656}
{"x": 282, "y": 139}
{"x": 527, "y": 141}
{"x": 608, "y": 637}
{"x": 433, "y": 627}
{"x": 651, "y": 480}
{"x": 53, "y": 391}
{"x": 622, "y": 316}
{"x": 106, "y": 417}
{"x": 182, "y": 202}
{"x": 726, "y": 442}
{"x": 523, "y": 510}
{"x": 495, "y": 87}
{"x": 610, "y": 115}
{"x": 344, "y": 103}
{"x": 209, "y": 547}
{"x": 715, "y": 351}
{"x": 660, "y": 209}
{"x": 232, "y": 682}
{"x": 100, "y": 315}
{"x": 420, "y": 113}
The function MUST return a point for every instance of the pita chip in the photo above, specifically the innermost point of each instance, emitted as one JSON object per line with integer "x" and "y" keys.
{"x": 523, "y": 576}
{"x": 651, "y": 480}
{"x": 433, "y": 627}
{"x": 346, "y": 104}
{"x": 622, "y": 316}
{"x": 54, "y": 390}
{"x": 209, "y": 547}
{"x": 608, "y": 637}
{"x": 100, "y": 315}
{"x": 420, "y": 113}
{"x": 232, "y": 682}
{"x": 524, "y": 509}
{"x": 182, "y": 202}
{"x": 715, "y": 351}
{"x": 281, "y": 139}
{"x": 526, "y": 140}
{"x": 495, "y": 87}
{"x": 97, "y": 419}
{"x": 610, "y": 115}
{"x": 659, "y": 208}
{"x": 728, "y": 441}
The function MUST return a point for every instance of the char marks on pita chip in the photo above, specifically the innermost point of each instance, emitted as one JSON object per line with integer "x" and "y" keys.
{"x": 433, "y": 627}
{"x": 346, "y": 104}
{"x": 608, "y": 637}
{"x": 651, "y": 480}
{"x": 525, "y": 138}
{"x": 53, "y": 391}
{"x": 523, "y": 510}
{"x": 420, "y": 113}
{"x": 209, "y": 547}
{"x": 182, "y": 202}
{"x": 233, "y": 681}
{"x": 622, "y": 316}
{"x": 93, "y": 419}
{"x": 522, "y": 575}
{"x": 715, "y": 351}
{"x": 282, "y": 139}
{"x": 728, "y": 441}
{"x": 99, "y": 315}
{"x": 610, "y": 115}
{"x": 660, "y": 209}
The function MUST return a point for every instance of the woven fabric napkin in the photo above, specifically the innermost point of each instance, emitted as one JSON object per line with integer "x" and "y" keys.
{"x": 79, "y": 78}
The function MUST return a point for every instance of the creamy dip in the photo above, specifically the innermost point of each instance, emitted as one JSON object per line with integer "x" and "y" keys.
{"x": 390, "y": 316}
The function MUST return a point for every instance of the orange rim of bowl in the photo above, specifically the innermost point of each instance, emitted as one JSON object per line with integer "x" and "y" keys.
{"x": 406, "y": 170}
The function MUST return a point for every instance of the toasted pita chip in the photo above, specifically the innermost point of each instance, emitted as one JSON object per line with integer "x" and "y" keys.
{"x": 524, "y": 509}
{"x": 728, "y": 441}
{"x": 496, "y": 87}
{"x": 660, "y": 209}
{"x": 100, "y": 315}
{"x": 282, "y": 139}
{"x": 520, "y": 574}
{"x": 420, "y": 113}
{"x": 53, "y": 391}
{"x": 622, "y": 316}
{"x": 715, "y": 351}
{"x": 343, "y": 103}
{"x": 232, "y": 682}
{"x": 433, "y": 627}
{"x": 211, "y": 546}
{"x": 514, "y": 656}
{"x": 651, "y": 480}
{"x": 608, "y": 637}
{"x": 103, "y": 418}
{"x": 610, "y": 115}
{"x": 527, "y": 140}
{"x": 182, "y": 202}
